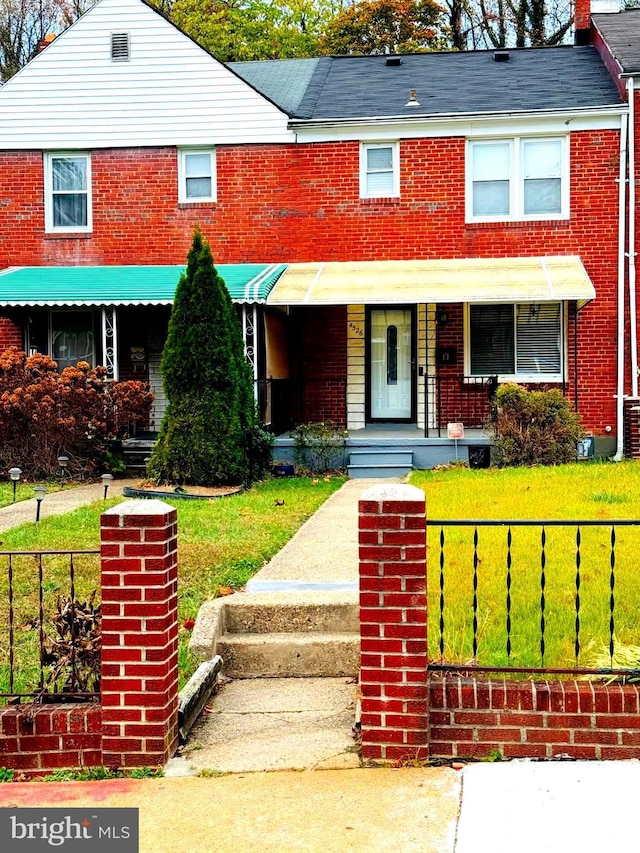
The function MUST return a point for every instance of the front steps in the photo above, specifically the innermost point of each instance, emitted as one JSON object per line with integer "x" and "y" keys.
{"x": 135, "y": 451}
{"x": 372, "y": 463}
{"x": 276, "y": 635}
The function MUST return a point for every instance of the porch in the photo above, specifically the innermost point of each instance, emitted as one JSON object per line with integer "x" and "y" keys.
{"x": 392, "y": 449}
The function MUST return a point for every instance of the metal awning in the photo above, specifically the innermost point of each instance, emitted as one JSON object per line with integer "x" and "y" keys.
{"x": 130, "y": 285}
{"x": 462, "y": 280}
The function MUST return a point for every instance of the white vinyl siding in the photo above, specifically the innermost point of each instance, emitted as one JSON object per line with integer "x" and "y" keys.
{"x": 523, "y": 342}
{"x": 170, "y": 92}
{"x": 520, "y": 178}
{"x": 67, "y": 177}
{"x": 197, "y": 175}
{"x": 379, "y": 171}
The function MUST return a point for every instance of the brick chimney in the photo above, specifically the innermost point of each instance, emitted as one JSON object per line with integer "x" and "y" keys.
{"x": 581, "y": 14}
{"x": 45, "y": 42}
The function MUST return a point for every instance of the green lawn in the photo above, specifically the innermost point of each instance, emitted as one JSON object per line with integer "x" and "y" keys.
{"x": 220, "y": 543}
{"x": 24, "y": 491}
{"x": 598, "y": 491}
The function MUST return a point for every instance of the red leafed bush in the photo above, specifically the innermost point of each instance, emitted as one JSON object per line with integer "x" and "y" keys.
{"x": 45, "y": 414}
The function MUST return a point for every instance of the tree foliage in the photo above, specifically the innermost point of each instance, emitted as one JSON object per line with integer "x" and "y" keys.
{"x": 239, "y": 30}
{"x": 25, "y": 23}
{"x": 385, "y": 26}
{"x": 210, "y": 429}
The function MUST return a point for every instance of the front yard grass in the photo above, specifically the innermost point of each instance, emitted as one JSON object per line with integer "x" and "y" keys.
{"x": 221, "y": 543}
{"x": 598, "y": 491}
{"x": 24, "y": 491}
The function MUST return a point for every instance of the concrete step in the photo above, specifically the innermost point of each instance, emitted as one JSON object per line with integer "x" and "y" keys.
{"x": 280, "y": 633}
{"x": 377, "y": 471}
{"x": 381, "y": 457}
{"x": 280, "y": 613}
{"x": 290, "y": 655}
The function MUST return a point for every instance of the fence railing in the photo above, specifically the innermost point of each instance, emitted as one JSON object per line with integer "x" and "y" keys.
{"x": 534, "y": 596}
{"x": 465, "y": 399}
{"x": 48, "y": 641}
{"x": 284, "y": 403}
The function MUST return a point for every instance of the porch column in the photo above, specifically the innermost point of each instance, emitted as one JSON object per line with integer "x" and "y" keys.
{"x": 110, "y": 341}
{"x": 250, "y": 336}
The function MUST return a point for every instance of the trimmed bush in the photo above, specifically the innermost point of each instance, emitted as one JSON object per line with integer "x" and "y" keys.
{"x": 534, "y": 427}
{"x": 45, "y": 414}
{"x": 210, "y": 433}
{"x": 319, "y": 447}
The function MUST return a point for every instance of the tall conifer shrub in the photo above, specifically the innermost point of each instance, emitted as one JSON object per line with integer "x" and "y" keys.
{"x": 210, "y": 430}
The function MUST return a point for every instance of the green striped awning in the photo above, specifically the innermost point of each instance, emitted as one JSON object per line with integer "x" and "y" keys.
{"x": 135, "y": 285}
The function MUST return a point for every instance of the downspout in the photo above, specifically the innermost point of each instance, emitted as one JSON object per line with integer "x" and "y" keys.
{"x": 621, "y": 266}
{"x": 632, "y": 239}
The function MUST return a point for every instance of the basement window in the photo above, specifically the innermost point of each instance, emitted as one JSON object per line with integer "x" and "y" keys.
{"x": 120, "y": 47}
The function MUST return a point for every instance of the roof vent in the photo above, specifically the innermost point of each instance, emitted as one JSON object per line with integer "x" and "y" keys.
{"x": 120, "y": 47}
{"x": 413, "y": 101}
{"x": 501, "y": 56}
{"x": 393, "y": 61}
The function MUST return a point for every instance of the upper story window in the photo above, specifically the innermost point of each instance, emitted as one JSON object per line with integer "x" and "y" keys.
{"x": 67, "y": 192}
{"x": 516, "y": 341}
{"x": 197, "y": 174}
{"x": 520, "y": 178}
{"x": 379, "y": 170}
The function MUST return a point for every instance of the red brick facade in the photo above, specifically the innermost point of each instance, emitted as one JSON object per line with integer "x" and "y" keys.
{"x": 296, "y": 203}
{"x": 10, "y": 334}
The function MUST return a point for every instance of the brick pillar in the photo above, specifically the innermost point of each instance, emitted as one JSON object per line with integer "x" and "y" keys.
{"x": 139, "y": 633}
{"x": 393, "y": 623}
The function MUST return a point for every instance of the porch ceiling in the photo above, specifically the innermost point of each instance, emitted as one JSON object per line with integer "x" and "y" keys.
{"x": 123, "y": 285}
{"x": 461, "y": 280}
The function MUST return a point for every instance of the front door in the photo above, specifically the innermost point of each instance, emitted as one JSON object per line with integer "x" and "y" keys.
{"x": 391, "y": 364}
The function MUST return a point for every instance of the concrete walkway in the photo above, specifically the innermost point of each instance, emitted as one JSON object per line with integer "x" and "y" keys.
{"x": 323, "y": 554}
{"x": 58, "y": 503}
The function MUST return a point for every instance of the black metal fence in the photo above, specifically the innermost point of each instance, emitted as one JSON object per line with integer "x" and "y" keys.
{"x": 534, "y": 596}
{"x": 285, "y": 403}
{"x": 464, "y": 399}
{"x": 49, "y": 625}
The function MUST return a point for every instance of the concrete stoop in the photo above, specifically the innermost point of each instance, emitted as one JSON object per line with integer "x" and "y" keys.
{"x": 283, "y": 634}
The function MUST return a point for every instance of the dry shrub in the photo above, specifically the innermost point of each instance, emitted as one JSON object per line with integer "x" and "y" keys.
{"x": 45, "y": 414}
{"x": 534, "y": 427}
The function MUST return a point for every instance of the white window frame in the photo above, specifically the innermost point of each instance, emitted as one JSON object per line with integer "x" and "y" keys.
{"x": 516, "y": 179}
{"x": 49, "y": 227}
{"x": 395, "y": 166}
{"x": 537, "y": 378}
{"x": 182, "y": 176}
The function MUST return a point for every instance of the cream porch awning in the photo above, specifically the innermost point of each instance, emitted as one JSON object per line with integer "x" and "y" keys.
{"x": 545, "y": 279}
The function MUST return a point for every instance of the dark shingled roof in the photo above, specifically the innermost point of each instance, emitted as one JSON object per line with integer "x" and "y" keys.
{"x": 351, "y": 87}
{"x": 621, "y": 31}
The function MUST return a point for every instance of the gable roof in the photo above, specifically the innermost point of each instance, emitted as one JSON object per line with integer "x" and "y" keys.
{"x": 169, "y": 91}
{"x": 448, "y": 83}
{"x": 621, "y": 32}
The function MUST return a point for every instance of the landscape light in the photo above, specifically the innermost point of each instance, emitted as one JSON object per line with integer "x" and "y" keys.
{"x": 106, "y": 481}
{"x": 14, "y": 476}
{"x": 40, "y": 492}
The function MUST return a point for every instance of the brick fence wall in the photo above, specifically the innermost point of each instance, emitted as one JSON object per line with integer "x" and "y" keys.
{"x": 136, "y": 723}
{"x": 409, "y": 713}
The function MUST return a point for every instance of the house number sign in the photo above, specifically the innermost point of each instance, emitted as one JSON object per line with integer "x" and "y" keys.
{"x": 357, "y": 329}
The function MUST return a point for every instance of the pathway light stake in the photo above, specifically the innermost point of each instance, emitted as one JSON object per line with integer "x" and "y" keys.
{"x": 63, "y": 462}
{"x": 40, "y": 492}
{"x": 14, "y": 476}
{"x": 106, "y": 482}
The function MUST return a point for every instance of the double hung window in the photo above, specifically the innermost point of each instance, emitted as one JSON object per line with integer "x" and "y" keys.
{"x": 520, "y": 178}
{"x": 379, "y": 170}
{"x": 68, "y": 192}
